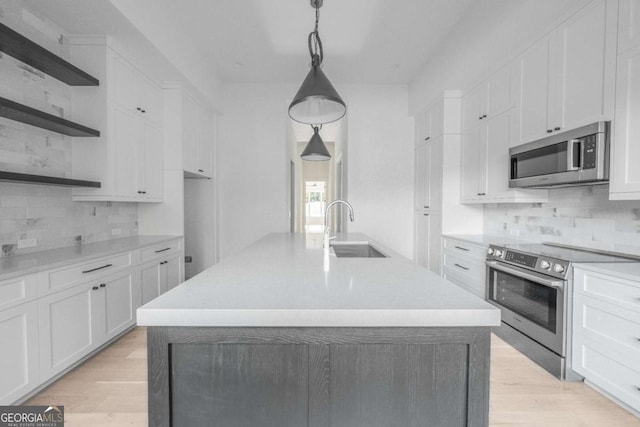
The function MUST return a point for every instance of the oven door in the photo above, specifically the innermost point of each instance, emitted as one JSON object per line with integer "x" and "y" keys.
{"x": 530, "y": 302}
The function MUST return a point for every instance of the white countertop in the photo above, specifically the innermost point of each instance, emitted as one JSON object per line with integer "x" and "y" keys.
{"x": 624, "y": 270}
{"x": 280, "y": 281}
{"x": 19, "y": 265}
{"x": 485, "y": 239}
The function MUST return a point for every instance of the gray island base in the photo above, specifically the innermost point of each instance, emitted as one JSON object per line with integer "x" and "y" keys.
{"x": 318, "y": 377}
{"x": 282, "y": 336}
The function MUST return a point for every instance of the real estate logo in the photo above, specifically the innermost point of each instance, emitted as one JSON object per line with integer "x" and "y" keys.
{"x": 31, "y": 416}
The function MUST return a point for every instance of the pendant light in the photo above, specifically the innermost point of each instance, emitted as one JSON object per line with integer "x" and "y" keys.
{"x": 315, "y": 149}
{"x": 317, "y": 101}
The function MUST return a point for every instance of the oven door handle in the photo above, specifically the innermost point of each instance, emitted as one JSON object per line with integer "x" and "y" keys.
{"x": 538, "y": 278}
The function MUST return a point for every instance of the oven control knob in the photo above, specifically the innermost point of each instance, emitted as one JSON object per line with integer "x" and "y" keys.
{"x": 545, "y": 264}
{"x": 490, "y": 251}
{"x": 558, "y": 268}
{"x": 498, "y": 253}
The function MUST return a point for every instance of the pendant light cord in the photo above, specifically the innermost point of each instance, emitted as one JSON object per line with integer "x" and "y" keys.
{"x": 316, "y": 51}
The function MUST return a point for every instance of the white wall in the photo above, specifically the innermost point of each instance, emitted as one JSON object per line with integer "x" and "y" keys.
{"x": 380, "y": 164}
{"x": 252, "y": 164}
{"x": 490, "y": 33}
{"x": 253, "y": 160}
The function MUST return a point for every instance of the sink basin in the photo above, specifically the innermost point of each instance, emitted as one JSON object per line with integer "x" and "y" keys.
{"x": 356, "y": 250}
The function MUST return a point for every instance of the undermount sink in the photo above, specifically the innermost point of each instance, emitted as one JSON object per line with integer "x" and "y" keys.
{"x": 344, "y": 249}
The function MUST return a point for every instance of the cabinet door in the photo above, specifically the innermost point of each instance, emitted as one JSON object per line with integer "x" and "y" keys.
{"x": 499, "y": 93}
{"x": 586, "y": 68}
{"x": 151, "y": 171}
{"x": 420, "y": 239}
{"x": 19, "y": 368}
{"x": 423, "y": 127}
{"x": 70, "y": 327}
{"x": 150, "y": 282}
{"x": 174, "y": 271}
{"x": 471, "y": 107}
{"x": 422, "y": 160}
{"x": 470, "y": 150}
{"x": 206, "y": 123}
{"x": 629, "y": 26}
{"x": 496, "y": 163}
{"x": 150, "y": 100}
{"x": 625, "y": 150}
{"x": 434, "y": 174}
{"x": 434, "y": 243}
{"x": 189, "y": 135}
{"x": 125, "y": 85}
{"x": 533, "y": 96}
{"x": 121, "y": 298}
{"x": 126, "y": 138}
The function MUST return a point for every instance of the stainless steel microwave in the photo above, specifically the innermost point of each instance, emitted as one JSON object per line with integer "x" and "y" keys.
{"x": 574, "y": 157}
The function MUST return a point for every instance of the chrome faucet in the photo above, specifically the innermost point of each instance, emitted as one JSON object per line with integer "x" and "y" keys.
{"x": 326, "y": 219}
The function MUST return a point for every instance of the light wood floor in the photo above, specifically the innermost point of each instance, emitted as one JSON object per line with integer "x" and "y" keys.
{"x": 111, "y": 390}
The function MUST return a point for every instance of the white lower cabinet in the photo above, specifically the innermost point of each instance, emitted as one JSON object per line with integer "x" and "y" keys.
{"x": 161, "y": 275}
{"x": 463, "y": 263}
{"x": 19, "y": 370}
{"x": 52, "y": 319}
{"x": 606, "y": 334}
{"x": 77, "y": 321}
{"x": 69, "y": 328}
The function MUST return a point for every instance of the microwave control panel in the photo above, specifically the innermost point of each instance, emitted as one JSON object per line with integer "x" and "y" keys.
{"x": 589, "y": 152}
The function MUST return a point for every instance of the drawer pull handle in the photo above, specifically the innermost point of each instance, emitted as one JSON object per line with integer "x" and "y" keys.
{"x": 162, "y": 250}
{"x": 461, "y": 248}
{"x": 95, "y": 288}
{"x": 461, "y": 266}
{"x": 97, "y": 268}
{"x": 103, "y": 285}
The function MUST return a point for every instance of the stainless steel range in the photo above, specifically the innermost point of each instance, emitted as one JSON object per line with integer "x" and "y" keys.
{"x": 532, "y": 285}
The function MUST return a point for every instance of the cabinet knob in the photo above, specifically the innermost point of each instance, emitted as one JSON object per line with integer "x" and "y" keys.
{"x": 480, "y": 118}
{"x": 200, "y": 170}
{"x": 427, "y": 138}
{"x": 144, "y": 111}
{"x": 138, "y": 108}
{"x": 556, "y": 128}
{"x": 549, "y": 130}
{"x": 484, "y": 116}
{"x": 103, "y": 285}
{"x": 426, "y": 214}
{"x": 95, "y": 288}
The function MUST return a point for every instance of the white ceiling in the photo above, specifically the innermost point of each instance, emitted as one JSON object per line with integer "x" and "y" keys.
{"x": 265, "y": 41}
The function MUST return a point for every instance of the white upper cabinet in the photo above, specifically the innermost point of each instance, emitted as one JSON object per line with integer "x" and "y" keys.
{"x": 625, "y": 148}
{"x": 430, "y": 123}
{"x": 486, "y": 138}
{"x": 629, "y": 25}
{"x": 127, "y": 108}
{"x": 566, "y": 79}
{"x": 192, "y": 125}
{"x": 488, "y": 99}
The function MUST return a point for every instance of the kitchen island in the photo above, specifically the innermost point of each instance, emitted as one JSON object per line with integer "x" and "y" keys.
{"x": 277, "y": 336}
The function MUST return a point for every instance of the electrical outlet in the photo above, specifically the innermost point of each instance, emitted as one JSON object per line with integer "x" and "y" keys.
{"x": 27, "y": 243}
{"x": 116, "y": 231}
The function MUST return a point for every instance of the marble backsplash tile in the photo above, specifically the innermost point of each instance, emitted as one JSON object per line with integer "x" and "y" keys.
{"x": 580, "y": 216}
{"x": 45, "y": 213}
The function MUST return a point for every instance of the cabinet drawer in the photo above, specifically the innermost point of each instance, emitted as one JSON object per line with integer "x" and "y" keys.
{"x": 608, "y": 288}
{"x": 17, "y": 291}
{"x": 464, "y": 265}
{"x": 618, "y": 379}
{"x": 64, "y": 278}
{"x": 610, "y": 328}
{"x": 160, "y": 250}
{"x": 475, "y": 252}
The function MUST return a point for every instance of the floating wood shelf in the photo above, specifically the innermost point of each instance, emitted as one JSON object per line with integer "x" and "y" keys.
{"x": 23, "y": 49}
{"x": 21, "y": 113}
{"x": 46, "y": 180}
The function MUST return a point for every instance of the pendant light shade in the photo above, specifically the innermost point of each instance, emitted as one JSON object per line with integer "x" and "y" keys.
{"x": 317, "y": 101}
{"x": 315, "y": 149}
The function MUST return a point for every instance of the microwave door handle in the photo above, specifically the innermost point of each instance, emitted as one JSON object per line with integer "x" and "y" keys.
{"x": 571, "y": 145}
{"x": 558, "y": 284}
